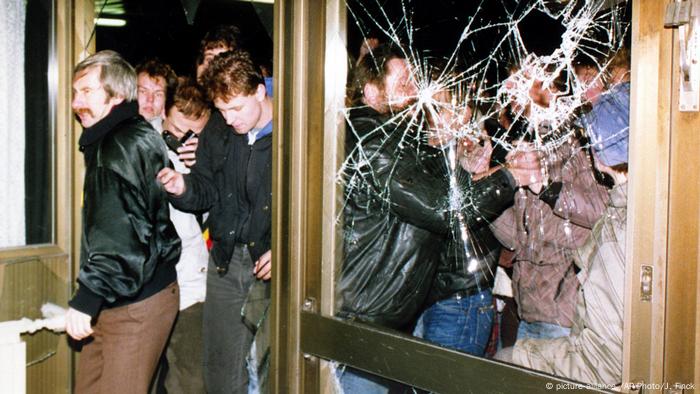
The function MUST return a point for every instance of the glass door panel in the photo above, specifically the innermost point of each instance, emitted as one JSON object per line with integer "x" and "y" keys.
{"x": 481, "y": 181}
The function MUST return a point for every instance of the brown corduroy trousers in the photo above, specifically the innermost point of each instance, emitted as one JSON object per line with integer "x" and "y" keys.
{"x": 122, "y": 353}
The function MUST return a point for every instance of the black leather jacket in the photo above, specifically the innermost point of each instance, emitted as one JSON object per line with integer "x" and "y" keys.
{"x": 397, "y": 220}
{"x": 233, "y": 181}
{"x": 466, "y": 267}
{"x": 129, "y": 246}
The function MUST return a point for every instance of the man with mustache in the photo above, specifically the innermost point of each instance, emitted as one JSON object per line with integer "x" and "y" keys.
{"x": 128, "y": 296}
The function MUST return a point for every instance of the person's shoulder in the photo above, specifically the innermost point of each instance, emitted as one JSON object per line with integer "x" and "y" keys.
{"x": 367, "y": 126}
{"x": 364, "y": 115}
{"x": 130, "y": 142}
{"x": 617, "y": 96}
{"x": 133, "y": 132}
{"x": 216, "y": 126}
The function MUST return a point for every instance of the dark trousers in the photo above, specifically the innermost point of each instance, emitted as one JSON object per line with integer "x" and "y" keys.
{"x": 123, "y": 351}
{"x": 227, "y": 339}
{"x": 183, "y": 371}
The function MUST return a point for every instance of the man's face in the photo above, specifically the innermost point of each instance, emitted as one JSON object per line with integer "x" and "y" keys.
{"x": 400, "y": 88}
{"x": 243, "y": 112}
{"x": 209, "y": 54}
{"x": 91, "y": 102}
{"x": 151, "y": 96}
{"x": 178, "y": 124}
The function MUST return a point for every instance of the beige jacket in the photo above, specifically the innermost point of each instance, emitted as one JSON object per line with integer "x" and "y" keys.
{"x": 593, "y": 352}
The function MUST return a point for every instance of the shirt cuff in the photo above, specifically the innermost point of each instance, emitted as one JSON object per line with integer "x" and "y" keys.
{"x": 86, "y": 301}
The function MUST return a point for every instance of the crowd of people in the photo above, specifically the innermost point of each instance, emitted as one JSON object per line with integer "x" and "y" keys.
{"x": 175, "y": 254}
{"x": 433, "y": 209}
{"x": 176, "y": 221}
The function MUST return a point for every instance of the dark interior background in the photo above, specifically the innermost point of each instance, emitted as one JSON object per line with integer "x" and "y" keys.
{"x": 436, "y": 27}
{"x": 159, "y": 28}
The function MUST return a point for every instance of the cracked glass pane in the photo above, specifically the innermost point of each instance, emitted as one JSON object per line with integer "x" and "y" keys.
{"x": 484, "y": 180}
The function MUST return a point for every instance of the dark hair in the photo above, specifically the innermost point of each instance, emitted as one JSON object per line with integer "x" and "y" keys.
{"x": 230, "y": 74}
{"x": 222, "y": 36}
{"x": 188, "y": 98}
{"x": 583, "y": 59}
{"x": 615, "y": 61}
{"x": 621, "y": 59}
{"x": 371, "y": 69}
{"x": 622, "y": 167}
{"x": 154, "y": 68}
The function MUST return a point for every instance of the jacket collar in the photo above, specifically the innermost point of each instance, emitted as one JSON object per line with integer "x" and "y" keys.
{"x": 366, "y": 111}
{"x": 119, "y": 113}
{"x": 260, "y": 133}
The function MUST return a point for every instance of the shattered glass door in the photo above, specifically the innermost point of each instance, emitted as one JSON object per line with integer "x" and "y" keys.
{"x": 483, "y": 204}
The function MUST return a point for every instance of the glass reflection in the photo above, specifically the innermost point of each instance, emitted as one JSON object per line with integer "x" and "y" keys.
{"x": 485, "y": 178}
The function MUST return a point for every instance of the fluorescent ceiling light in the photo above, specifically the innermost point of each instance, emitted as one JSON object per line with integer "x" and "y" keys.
{"x": 111, "y": 7}
{"x": 111, "y": 22}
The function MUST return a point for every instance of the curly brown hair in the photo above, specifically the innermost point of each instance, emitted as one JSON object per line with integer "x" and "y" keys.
{"x": 189, "y": 99}
{"x": 230, "y": 74}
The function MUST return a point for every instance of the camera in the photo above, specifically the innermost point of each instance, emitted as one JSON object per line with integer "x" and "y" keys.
{"x": 173, "y": 142}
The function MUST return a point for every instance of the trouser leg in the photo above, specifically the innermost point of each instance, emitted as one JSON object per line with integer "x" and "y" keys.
{"x": 90, "y": 363}
{"x": 461, "y": 323}
{"x": 184, "y": 353}
{"x": 132, "y": 339}
{"x": 227, "y": 339}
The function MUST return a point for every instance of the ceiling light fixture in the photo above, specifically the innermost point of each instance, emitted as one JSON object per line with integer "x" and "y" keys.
{"x": 110, "y": 22}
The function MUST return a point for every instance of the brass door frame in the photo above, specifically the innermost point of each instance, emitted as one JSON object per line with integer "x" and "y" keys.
{"x": 308, "y": 37}
{"x": 647, "y": 192}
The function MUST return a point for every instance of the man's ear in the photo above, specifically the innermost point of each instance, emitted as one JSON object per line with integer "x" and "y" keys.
{"x": 372, "y": 95}
{"x": 260, "y": 92}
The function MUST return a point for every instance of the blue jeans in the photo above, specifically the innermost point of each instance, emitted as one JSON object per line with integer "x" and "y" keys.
{"x": 354, "y": 381}
{"x": 459, "y": 323}
{"x": 541, "y": 330}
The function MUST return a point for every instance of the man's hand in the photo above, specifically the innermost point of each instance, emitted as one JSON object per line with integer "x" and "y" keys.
{"x": 187, "y": 152}
{"x": 78, "y": 324}
{"x": 173, "y": 181}
{"x": 263, "y": 267}
{"x": 439, "y": 138}
{"x": 473, "y": 157}
{"x": 367, "y": 45}
{"x": 526, "y": 168}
